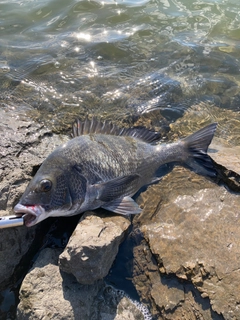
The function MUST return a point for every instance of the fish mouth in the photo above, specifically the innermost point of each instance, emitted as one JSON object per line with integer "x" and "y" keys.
{"x": 29, "y": 213}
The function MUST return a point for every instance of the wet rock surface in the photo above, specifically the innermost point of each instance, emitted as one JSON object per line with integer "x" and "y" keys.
{"x": 93, "y": 246}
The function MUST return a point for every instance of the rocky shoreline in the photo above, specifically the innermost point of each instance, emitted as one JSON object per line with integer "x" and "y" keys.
{"x": 186, "y": 265}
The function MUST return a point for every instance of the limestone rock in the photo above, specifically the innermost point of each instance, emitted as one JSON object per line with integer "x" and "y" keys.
{"x": 191, "y": 225}
{"x": 168, "y": 297}
{"x": 22, "y": 150}
{"x": 226, "y": 155}
{"x": 48, "y": 293}
{"x": 14, "y": 243}
{"x": 93, "y": 247}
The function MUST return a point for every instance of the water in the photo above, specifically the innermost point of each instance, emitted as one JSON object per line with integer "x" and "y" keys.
{"x": 117, "y": 59}
{"x": 62, "y": 59}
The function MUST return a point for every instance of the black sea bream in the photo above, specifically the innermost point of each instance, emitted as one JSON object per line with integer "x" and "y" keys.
{"x": 104, "y": 166}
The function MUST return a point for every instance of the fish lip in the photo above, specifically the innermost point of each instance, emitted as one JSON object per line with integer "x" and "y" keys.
{"x": 29, "y": 214}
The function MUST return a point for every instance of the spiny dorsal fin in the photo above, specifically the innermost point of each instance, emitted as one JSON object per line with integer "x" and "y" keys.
{"x": 95, "y": 126}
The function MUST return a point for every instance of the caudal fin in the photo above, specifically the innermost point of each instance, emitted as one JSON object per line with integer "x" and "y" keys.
{"x": 197, "y": 145}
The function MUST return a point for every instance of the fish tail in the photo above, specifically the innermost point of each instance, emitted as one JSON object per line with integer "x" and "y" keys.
{"x": 197, "y": 146}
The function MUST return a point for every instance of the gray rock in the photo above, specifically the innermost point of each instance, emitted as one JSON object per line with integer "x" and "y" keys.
{"x": 93, "y": 246}
{"x": 22, "y": 149}
{"x": 48, "y": 293}
{"x": 14, "y": 243}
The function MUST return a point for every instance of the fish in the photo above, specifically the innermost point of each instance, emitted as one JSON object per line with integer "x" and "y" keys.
{"x": 104, "y": 166}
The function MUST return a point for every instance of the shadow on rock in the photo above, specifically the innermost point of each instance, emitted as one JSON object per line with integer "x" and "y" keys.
{"x": 48, "y": 292}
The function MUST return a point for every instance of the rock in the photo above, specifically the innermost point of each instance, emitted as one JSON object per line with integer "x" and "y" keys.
{"x": 226, "y": 155}
{"x": 193, "y": 232}
{"x": 199, "y": 115}
{"x": 145, "y": 273}
{"x": 127, "y": 310}
{"x": 188, "y": 266}
{"x": 14, "y": 243}
{"x": 93, "y": 246}
{"x": 167, "y": 296}
{"x": 24, "y": 147}
{"x": 181, "y": 301}
{"x": 48, "y": 293}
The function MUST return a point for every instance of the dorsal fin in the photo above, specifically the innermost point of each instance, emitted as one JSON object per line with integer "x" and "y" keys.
{"x": 95, "y": 126}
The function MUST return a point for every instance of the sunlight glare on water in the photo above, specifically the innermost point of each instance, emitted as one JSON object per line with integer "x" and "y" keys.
{"x": 164, "y": 54}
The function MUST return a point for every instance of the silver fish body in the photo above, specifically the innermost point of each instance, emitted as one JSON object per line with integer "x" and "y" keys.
{"x": 104, "y": 167}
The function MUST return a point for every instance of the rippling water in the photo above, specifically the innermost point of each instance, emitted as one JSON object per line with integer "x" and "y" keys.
{"x": 60, "y": 59}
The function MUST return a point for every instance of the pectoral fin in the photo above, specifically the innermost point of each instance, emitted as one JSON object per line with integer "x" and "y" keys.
{"x": 117, "y": 188}
{"x": 124, "y": 206}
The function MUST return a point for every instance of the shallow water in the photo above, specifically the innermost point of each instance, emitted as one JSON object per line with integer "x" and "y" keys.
{"x": 118, "y": 59}
{"x": 62, "y": 59}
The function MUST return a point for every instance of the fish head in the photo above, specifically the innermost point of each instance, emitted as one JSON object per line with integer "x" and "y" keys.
{"x": 47, "y": 194}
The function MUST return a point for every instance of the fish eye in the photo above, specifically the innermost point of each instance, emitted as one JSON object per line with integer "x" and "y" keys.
{"x": 45, "y": 185}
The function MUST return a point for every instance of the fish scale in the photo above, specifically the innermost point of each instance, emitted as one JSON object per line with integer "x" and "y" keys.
{"x": 111, "y": 159}
{"x": 105, "y": 169}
